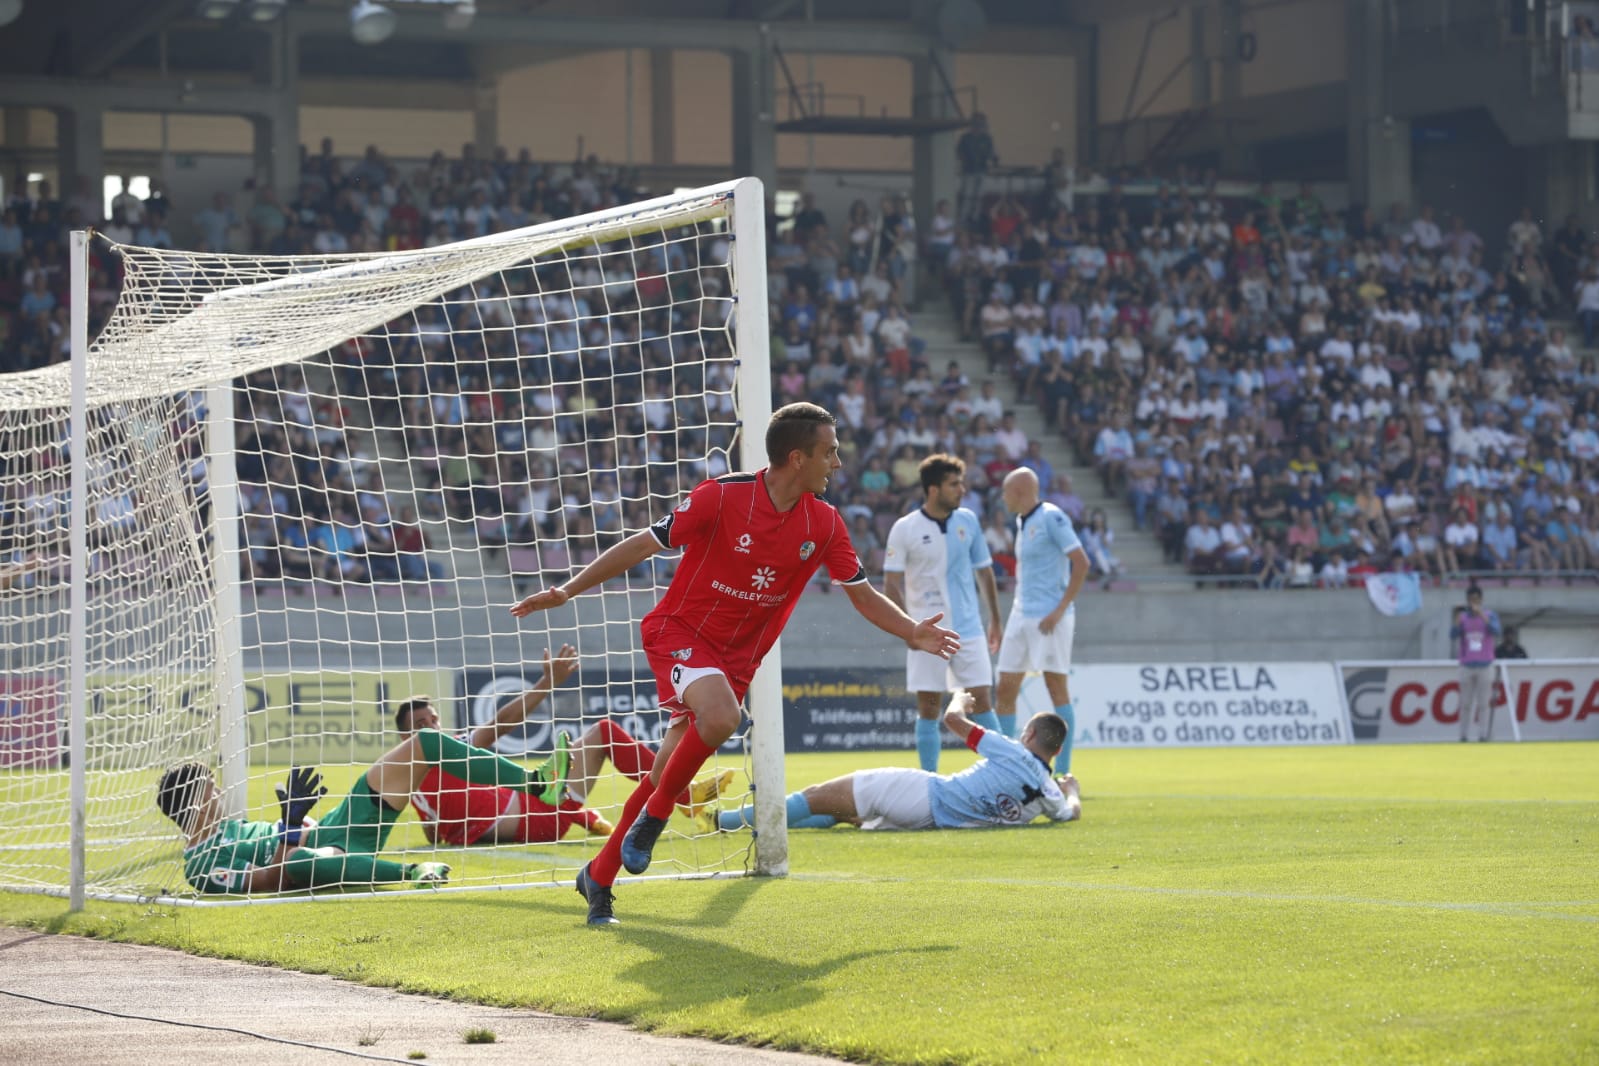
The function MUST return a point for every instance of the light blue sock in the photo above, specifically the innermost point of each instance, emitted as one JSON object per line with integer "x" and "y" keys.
{"x": 1063, "y": 761}
{"x": 989, "y": 721}
{"x": 800, "y": 816}
{"x": 927, "y": 743}
{"x": 1007, "y": 723}
{"x": 738, "y": 818}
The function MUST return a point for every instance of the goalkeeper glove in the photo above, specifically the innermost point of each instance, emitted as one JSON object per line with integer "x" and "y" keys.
{"x": 304, "y": 790}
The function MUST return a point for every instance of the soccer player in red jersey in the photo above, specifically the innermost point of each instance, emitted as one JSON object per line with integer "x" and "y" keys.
{"x": 750, "y": 543}
{"x": 461, "y": 814}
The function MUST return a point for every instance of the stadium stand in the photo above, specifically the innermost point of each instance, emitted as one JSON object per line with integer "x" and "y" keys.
{"x": 1254, "y": 388}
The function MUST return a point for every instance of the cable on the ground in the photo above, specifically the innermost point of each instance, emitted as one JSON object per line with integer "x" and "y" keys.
{"x": 202, "y": 1025}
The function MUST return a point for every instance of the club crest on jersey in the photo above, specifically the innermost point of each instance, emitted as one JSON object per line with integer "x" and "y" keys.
{"x": 683, "y": 654}
{"x": 683, "y": 506}
{"x": 743, "y": 544}
{"x": 806, "y": 549}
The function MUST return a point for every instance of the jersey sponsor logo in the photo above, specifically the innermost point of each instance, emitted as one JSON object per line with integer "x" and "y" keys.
{"x": 961, "y": 533}
{"x": 1008, "y": 808}
{"x": 806, "y": 549}
{"x": 763, "y": 577}
{"x": 763, "y": 599}
{"x": 683, "y": 655}
{"x": 744, "y": 542}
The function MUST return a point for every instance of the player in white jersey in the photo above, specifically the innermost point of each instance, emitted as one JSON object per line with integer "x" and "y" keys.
{"x": 1051, "y": 566}
{"x": 937, "y": 561}
{"x": 1010, "y": 785}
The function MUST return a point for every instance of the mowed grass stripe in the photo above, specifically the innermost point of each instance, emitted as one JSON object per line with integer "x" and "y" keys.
{"x": 1223, "y": 926}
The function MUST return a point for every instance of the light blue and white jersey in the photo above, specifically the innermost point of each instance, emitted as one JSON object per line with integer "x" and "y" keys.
{"x": 1008, "y": 786}
{"x": 1044, "y": 538}
{"x": 940, "y": 560}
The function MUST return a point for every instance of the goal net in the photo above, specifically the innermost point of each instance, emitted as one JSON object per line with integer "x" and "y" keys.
{"x": 279, "y": 497}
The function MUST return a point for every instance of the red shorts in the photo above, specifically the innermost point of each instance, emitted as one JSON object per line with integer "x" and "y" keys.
{"x": 678, "y": 659}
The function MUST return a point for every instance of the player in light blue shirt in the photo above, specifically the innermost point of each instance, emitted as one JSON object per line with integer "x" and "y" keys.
{"x": 1010, "y": 785}
{"x": 936, "y": 563}
{"x": 1051, "y": 566}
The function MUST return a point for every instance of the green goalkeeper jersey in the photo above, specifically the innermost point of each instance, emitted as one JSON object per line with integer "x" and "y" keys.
{"x": 222, "y": 861}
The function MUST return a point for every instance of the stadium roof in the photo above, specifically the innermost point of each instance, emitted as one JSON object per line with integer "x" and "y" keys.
{"x": 89, "y": 38}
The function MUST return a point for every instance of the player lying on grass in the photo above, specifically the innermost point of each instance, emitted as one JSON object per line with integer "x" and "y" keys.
{"x": 224, "y": 854}
{"x": 462, "y": 814}
{"x": 1010, "y": 785}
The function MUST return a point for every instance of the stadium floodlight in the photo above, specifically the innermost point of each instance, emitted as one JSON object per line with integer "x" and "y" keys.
{"x": 460, "y": 15}
{"x": 216, "y": 9}
{"x": 371, "y": 23}
{"x": 10, "y": 11}
{"x": 266, "y": 10}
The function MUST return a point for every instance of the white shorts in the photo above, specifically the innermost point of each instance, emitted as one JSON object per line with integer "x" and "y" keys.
{"x": 894, "y": 797}
{"x": 970, "y": 668}
{"x": 1026, "y": 648}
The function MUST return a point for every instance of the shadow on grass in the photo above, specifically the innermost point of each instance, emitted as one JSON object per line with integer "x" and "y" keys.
{"x": 688, "y": 971}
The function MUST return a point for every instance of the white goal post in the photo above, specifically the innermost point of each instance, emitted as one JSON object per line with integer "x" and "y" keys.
{"x": 278, "y": 496}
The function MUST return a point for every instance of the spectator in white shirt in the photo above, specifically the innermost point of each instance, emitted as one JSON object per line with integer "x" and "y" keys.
{"x": 1202, "y": 544}
{"x": 1012, "y": 441}
{"x": 1524, "y": 234}
{"x": 987, "y": 404}
{"x": 1588, "y": 306}
{"x": 1424, "y": 232}
{"x": 1582, "y": 443}
{"x": 1338, "y": 347}
{"x": 1112, "y": 448}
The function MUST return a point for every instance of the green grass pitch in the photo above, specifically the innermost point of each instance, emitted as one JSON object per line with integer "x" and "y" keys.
{"x": 1327, "y": 905}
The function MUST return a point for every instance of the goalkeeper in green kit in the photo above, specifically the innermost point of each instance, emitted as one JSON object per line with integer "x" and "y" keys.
{"x": 230, "y": 855}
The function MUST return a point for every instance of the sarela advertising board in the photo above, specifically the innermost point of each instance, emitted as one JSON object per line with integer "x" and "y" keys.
{"x": 1398, "y": 703}
{"x": 1183, "y": 705}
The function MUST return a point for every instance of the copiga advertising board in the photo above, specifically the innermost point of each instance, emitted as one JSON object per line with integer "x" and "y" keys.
{"x": 1400, "y": 702}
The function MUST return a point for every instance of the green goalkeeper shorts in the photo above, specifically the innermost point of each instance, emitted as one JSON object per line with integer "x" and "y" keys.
{"x": 357, "y": 826}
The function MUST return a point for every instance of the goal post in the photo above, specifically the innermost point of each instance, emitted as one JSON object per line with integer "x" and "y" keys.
{"x": 278, "y": 496}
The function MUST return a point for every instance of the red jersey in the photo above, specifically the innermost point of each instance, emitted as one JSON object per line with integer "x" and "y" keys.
{"x": 461, "y": 813}
{"x": 744, "y": 566}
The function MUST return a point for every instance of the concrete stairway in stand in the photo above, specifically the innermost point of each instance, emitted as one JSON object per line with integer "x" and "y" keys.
{"x": 1139, "y": 552}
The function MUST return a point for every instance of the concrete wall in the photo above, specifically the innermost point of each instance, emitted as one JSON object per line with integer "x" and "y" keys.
{"x": 1297, "y": 45}
{"x": 1179, "y": 627}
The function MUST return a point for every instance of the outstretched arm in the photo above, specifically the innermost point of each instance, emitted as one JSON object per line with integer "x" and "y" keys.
{"x": 956, "y": 722}
{"x": 556, "y": 671}
{"x": 614, "y": 561}
{"x": 926, "y": 635}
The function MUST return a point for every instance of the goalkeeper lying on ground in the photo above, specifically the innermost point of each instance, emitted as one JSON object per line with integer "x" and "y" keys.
{"x": 1010, "y": 785}
{"x": 458, "y": 813}
{"x": 233, "y": 855}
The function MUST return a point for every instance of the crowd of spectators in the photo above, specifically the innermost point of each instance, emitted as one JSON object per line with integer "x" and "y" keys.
{"x": 1283, "y": 394}
{"x": 1290, "y": 395}
{"x": 558, "y": 404}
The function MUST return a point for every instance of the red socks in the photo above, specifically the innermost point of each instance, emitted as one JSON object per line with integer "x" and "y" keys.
{"x": 687, "y": 758}
{"x": 630, "y": 757}
{"x": 604, "y": 866}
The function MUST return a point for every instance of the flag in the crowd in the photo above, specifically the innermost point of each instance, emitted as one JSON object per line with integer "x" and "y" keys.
{"x": 1395, "y": 594}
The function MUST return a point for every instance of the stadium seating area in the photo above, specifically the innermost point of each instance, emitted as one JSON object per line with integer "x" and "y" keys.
{"x": 1296, "y": 397}
{"x": 1285, "y": 395}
